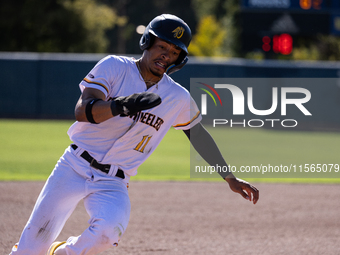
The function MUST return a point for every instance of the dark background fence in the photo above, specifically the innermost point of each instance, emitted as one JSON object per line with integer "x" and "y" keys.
{"x": 45, "y": 85}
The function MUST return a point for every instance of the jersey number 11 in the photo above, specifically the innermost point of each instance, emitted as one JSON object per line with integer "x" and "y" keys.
{"x": 141, "y": 145}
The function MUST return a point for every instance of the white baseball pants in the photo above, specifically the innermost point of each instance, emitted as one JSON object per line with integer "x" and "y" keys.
{"x": 105, "y": 198}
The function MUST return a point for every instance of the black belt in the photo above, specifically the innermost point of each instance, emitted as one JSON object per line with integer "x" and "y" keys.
{"x": 94, "y": 163}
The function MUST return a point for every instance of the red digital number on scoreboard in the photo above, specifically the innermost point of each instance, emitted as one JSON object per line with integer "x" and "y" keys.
{"x": 282, "y": 44}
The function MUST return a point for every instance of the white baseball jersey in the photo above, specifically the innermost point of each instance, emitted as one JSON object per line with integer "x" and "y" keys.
{"x": 126, "y": 142}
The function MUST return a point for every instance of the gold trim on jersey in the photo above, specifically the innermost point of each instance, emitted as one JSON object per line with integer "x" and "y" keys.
{"x": 185, "y": 124}
{"x": 97, "y": 83}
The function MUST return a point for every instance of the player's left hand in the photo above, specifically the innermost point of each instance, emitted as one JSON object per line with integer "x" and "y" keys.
{"x": 134, "y": 103}
{"x": 244, "y": 188}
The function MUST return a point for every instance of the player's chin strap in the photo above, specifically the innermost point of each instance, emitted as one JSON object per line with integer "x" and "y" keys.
{"x": 174, "y": 68}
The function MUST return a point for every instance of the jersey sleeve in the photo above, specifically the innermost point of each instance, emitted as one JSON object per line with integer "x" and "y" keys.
{"x": 101, "y": 76}
{"x": 189, "y": 116}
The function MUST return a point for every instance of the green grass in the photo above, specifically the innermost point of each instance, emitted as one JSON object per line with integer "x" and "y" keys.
{"x": 30, "y": 149}
{"x": 253, "y": 147}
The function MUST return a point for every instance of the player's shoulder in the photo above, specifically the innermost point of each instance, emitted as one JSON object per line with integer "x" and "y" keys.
{"x": 116, "y": 65}
{"x": 118, "y": 60}
{"x": 175, "y": 86}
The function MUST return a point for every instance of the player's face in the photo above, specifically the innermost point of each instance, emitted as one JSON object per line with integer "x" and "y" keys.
{"x": 161, "y": 55}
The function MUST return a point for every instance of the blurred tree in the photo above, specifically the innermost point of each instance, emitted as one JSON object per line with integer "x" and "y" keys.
{"x": 124, "y": 39}
{"x": 38, "y": 26}
{"x": 328, "y": 47}
{"x": 205, "y": 8}
{"x": 55, "y": 26}
{"x": 304, "y": 49}
{"x": 305, "y": 53}
{"x": 208, "y": 41}
{"x": 96, "y": 19}
{"x": 110, "y": 26}
{"x": 220, "y": 16}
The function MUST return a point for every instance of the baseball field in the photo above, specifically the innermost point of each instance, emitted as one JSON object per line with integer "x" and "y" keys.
{"x": 175, "y": 214}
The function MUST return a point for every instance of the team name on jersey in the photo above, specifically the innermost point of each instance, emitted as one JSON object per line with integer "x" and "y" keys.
{"x": 148, "y": 119}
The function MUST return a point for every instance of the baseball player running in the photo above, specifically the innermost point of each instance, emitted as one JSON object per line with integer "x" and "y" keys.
{"x": 125, "y": 109}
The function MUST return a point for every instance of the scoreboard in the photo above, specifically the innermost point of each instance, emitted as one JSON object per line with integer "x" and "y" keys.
{"x": 293, "y": 4}
{"x": 265, "y": 23}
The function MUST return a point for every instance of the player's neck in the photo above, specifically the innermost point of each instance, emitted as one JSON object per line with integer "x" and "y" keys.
{"x": 149, "y": 78}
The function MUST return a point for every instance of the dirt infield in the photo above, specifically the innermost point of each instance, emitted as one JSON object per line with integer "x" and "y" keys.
{"x": 202, "y": 218}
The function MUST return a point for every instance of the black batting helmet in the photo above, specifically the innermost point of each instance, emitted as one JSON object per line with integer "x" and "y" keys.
{"x": 171, "y": 29}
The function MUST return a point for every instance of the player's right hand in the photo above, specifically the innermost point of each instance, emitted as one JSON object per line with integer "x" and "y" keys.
{"x": 245, "y": 189}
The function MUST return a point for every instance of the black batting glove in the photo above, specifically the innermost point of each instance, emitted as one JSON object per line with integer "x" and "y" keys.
{"x": 130, "y": 105}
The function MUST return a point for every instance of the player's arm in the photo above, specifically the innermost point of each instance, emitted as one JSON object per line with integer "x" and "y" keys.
{"x": 91, "y": 106}
{"x": 205, "y": 145}
{"x": 100, "y": 111}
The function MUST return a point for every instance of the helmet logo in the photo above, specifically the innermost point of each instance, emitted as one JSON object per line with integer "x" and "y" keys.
{"x": 178, "y": 32}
